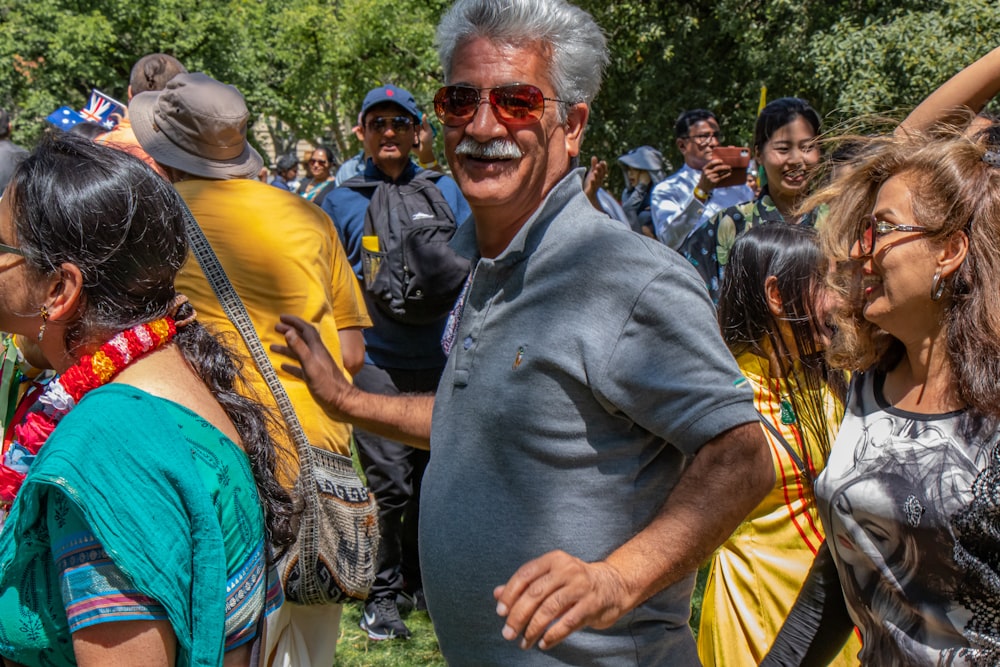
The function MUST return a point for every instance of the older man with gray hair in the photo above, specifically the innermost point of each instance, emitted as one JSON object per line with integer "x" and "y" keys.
{"x": 592, "y": 440}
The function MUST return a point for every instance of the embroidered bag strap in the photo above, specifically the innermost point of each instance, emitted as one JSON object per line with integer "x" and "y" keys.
{"x": 333, "y": 557}
{"x": 784, "y": 443}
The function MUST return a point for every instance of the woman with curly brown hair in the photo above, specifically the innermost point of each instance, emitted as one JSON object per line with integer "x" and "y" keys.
{"x": 914, "y": 226}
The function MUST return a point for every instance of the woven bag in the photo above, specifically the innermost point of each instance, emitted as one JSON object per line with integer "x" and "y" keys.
{"x": 333, "y": 556}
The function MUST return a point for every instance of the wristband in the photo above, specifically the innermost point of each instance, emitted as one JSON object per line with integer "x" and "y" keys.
{"x": 700, "y": 194}
{"x": 428, "y": 165}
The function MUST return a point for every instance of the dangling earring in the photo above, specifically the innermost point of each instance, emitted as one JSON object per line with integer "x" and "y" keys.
{"x": 44, "y": 312}
{"x": 937, "y": 285}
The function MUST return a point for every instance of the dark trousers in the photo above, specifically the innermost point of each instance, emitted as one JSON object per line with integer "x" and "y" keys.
{"x": 394, "y": 472}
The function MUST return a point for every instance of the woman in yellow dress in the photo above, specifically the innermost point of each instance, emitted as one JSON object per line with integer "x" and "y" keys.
{"x": 772, "y": 310}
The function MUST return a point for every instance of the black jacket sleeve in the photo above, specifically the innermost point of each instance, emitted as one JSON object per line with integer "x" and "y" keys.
{"x": 818, "y": 625}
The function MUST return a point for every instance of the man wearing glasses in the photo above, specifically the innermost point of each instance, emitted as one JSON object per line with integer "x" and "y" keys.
{"x": 691, "y": 194}
{"x": 400, "y": 357}
{"x": 592, "y": 440}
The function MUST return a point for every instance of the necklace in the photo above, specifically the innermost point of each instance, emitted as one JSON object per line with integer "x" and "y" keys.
{"x": 787, "y": 412}
{"x": 64, "y": 392}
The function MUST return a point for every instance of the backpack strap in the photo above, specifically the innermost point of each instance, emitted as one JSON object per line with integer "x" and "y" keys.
{"x": 380, "y": 192}
{"x": 359, "y": 182}
{"x": 430, "y": 175}
{"x": 784, "y": 443}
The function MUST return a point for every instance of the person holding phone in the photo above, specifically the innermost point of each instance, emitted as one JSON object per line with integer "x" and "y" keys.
{"x": 785, "y": 148}
{"x": 696, "y": 191}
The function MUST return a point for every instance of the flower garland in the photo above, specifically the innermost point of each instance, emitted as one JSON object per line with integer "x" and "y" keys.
{"x": 63, "y": 393}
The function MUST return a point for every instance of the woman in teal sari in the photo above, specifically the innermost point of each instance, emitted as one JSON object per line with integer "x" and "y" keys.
{"x": 140, "y": 485}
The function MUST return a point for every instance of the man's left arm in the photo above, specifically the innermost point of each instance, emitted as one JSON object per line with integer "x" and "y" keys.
{"x": 556, "y": 594}
{"x": 672, "y": 376}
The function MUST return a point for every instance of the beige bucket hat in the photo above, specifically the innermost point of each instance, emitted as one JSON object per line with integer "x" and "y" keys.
{"x": 198, "y": 125}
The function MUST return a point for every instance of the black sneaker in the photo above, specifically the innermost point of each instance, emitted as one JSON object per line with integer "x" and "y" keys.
{"x": 381, "y": 620}
{"x": 407, "y": 602}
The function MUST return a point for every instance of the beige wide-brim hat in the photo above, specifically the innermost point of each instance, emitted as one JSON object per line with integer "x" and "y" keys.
{"x": 198, "y": 125}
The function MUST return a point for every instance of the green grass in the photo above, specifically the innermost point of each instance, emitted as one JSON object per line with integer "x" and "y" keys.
{"x": 354, "y": 649}
{"x": 697, "y": 596}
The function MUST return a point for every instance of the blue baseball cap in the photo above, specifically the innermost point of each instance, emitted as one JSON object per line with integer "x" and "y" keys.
{"x": 389, "y": 93}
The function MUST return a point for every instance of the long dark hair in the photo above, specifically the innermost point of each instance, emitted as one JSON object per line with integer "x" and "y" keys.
{"x": 792, "y": 255}
{"x": 111, "y": 216}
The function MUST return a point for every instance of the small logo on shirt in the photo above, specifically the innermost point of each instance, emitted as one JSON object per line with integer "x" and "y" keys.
{"x": 420, "y": 215}
{"x": 518, "y": 358}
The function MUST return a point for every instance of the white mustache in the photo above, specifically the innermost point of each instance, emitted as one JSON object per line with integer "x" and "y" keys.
{"x": 494, "y": 149}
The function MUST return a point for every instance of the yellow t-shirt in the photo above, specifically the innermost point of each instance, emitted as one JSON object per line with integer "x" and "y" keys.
{"x": 282, "y": 255}
{"x": 755, "y": 576}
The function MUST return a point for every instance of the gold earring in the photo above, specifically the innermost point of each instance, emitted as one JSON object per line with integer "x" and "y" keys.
{"x": 44, "y": 312}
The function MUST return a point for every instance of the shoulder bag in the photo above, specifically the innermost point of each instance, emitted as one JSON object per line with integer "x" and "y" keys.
{"x": 333, "y": 556}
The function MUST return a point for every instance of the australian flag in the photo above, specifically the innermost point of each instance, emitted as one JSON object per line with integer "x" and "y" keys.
{"x": 101, "y": 109}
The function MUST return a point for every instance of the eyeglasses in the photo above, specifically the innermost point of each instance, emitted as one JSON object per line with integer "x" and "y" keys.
{"x": 319, "y": 162}
{"x": 11, "y": 250}
{"x": 706, "y": 138}
{"x": 514, "y": 104}
{"x": 870, "y": 228}
{"x": 381, "y": 123}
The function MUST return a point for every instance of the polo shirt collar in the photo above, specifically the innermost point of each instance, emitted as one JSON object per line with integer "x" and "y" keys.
{"x": 531, "y": 232}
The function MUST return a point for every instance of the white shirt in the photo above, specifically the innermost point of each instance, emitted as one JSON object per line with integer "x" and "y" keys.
{"x": 676, "y": 211}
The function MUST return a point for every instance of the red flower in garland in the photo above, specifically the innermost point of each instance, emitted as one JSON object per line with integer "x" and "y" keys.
{"x": 76, "y": 380}
{"x": 65, "y": 391}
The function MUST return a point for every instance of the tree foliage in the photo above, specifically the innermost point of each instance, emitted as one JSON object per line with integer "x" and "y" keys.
{"x": 846, "y": 57}
{"x": 327, "y": 55}
{"x": 304, "y": 65}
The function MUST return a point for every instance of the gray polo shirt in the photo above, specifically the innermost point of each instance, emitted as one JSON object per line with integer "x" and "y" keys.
{"x": 587, "y": 367}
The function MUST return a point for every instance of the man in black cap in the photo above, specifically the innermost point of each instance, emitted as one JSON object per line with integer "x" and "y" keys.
{"x": 401, "y": 357}
{"x": 10, "y": 153}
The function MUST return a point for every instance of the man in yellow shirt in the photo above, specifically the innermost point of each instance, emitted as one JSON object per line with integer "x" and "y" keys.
{"x": 281, "y": 254}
